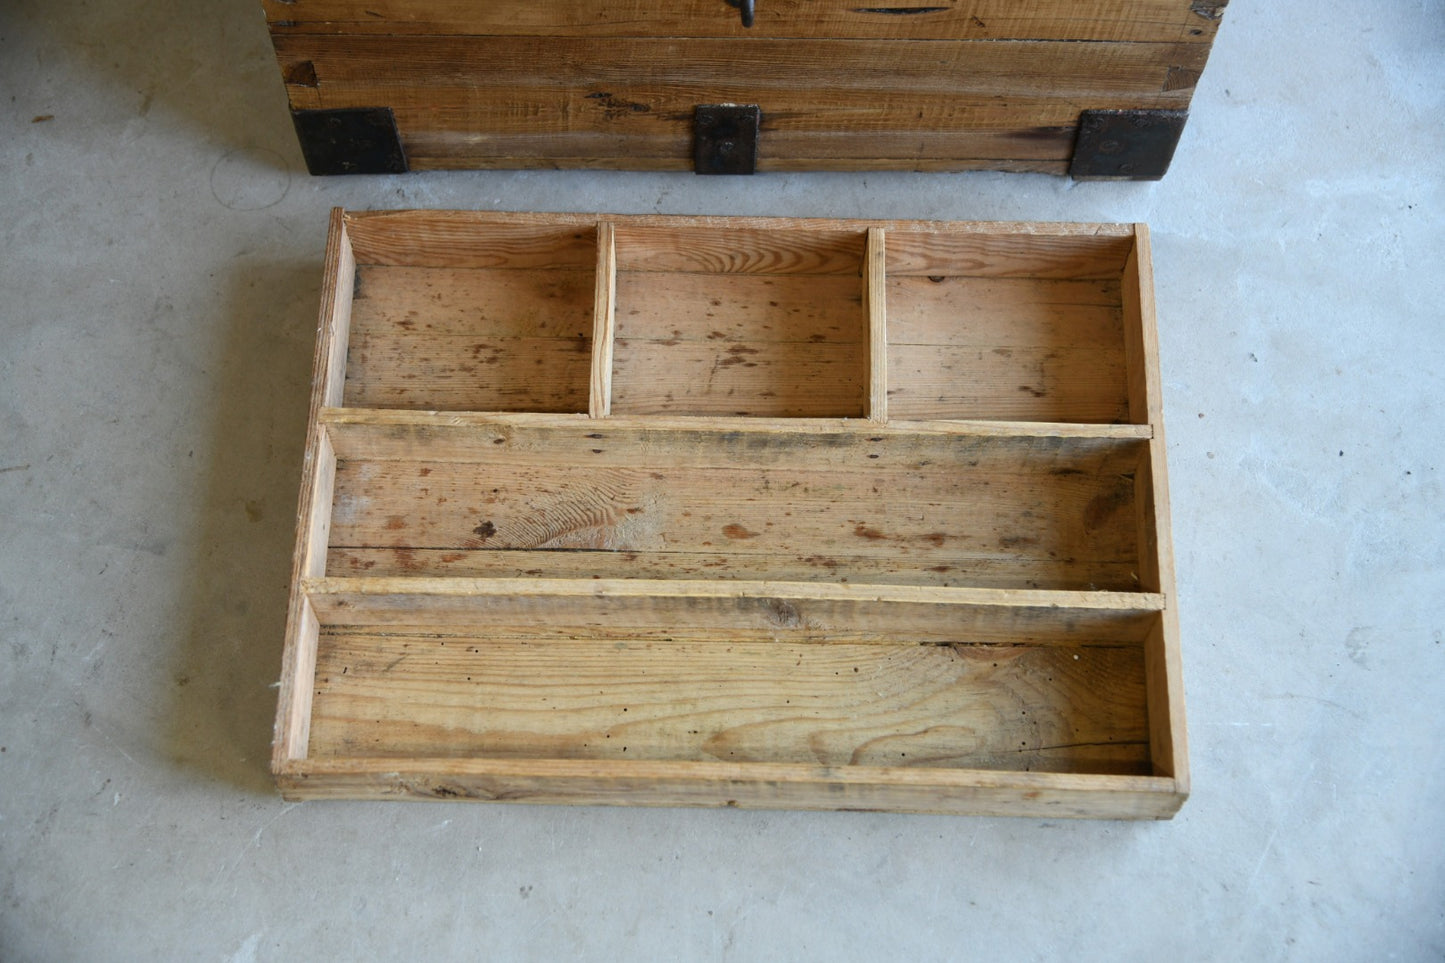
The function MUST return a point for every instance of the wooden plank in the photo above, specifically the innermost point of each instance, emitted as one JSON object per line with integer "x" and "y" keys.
{"x": 464, "y": 435}
{"x": 667, "y": 611}
{"x": 1071, "y": 709}
{"x": 1118, "y": 20}
{"x": 799, "y": 125}
{"x": 752, "y": 785}
{"x": 632, "y": 77}
{"x": 826, "y": 444}
{"x": 1062, "y": 607}
{"x": 723, "y": 566}
{"x": 1140, "y": 336}
{"x": 313, "y": 511}
{"x": 875, "y": 292}
{"x": 605, "y": 320}
{"x": 1007, "y": 254}
{"x": 1169, "y": 742}
{"x": 668, "y": 147}
{"x": 439, "y": 234}
{"x": 709, "y": 250}
{"x": 440, "y": 239}
{"x": 433, "y": 162}
{"x": 292, "y": 737}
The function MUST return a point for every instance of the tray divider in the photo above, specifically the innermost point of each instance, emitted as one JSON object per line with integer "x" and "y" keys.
{"x": 604, "y": 329}
{"x": 298, "y": 672}
{"x": 1141, "y": 339}
{"x": 318, "y": 481}
{"x": 702, "y": 588}
{"x": 875, "y": 302}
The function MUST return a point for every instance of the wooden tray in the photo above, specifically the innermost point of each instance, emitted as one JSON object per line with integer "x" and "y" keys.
{"x": 735, "y": 511}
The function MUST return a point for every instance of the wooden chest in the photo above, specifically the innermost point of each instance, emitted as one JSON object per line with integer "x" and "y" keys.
{"x": 735, "y": 512}
{"x": 1096, "y": 88}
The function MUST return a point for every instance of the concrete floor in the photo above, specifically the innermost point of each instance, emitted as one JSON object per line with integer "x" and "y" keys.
{"x": 160, "y": 263}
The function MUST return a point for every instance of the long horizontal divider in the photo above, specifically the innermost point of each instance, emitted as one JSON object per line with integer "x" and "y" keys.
{"x": 636, "y": 610}
{"x": 382, "y": 423}
{"x": 699, "y": 588}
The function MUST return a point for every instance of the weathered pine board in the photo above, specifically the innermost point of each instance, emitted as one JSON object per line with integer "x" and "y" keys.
{"x": 702, "y": 610}
{"x": 1185, "y": 21}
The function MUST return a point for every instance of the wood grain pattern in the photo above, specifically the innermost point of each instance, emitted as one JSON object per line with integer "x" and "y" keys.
{"x": 875, "y": 293}
{"x": 766, "y": 344}
{"x": 729, "y": 247}
{"x": 1124, "y": 20}
{"x": 835, "y": 704}
{"x": 1066, "y": 527}
{"x": 625, "y": 70}
{"x": 835, "y": 445}
{"x": 604, "y": 319}
{"x": 826, "y": 104}
{"x": 1168, "y": 737}
{"x": 389, "y": 435}
{"x": 504, "y": 339}
{"x": 974, "y": 792}
{"x": 466, "y": 239}
{"x": 714, "y": 604}
{"x": 1007, "y": 254}
{"x": 1015, "y": 349}
{"x": 313, "y": 510}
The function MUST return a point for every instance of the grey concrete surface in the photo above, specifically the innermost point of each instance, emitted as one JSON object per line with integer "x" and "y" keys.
{"x": 160, "y": 264}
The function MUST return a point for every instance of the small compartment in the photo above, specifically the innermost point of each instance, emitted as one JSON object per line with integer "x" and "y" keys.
{"x": 839, "y": 683}
{"x": 497, "y": 320}
{"x": 731, "y": 321}
{"x": 1010, "y": 328}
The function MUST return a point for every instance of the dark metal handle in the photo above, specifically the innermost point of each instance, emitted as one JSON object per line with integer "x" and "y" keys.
{"x": 746, "y": 6}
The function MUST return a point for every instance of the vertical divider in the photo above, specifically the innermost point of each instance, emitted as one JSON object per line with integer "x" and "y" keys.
{"x": 1136, "y": 290}
{"x": 875, "y": 300}
{"x": 604, "y": 322}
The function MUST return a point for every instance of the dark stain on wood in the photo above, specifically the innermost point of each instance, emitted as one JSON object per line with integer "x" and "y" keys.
{"x": 485, "y": 530}
{"x": 1103, "y": 506}
{"x": 736, "y": 531}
